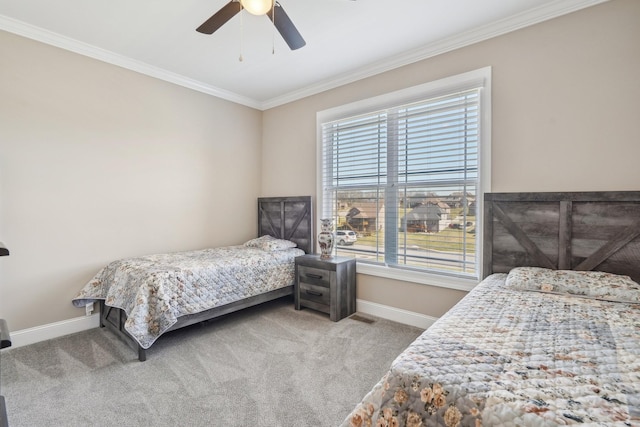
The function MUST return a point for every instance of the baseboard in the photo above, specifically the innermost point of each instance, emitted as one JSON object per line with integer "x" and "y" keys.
{"x": 54, "y": 330}
{"x": 396, "y": 314}
{"x": 58, "y": 329}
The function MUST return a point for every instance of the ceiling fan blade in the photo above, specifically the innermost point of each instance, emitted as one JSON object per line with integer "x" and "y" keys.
{"x": 285, "y": 27}
{"x": 220, "y": 18}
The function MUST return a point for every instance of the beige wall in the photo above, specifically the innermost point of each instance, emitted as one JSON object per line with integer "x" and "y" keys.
{"x": 98, "y": 163}
{"x": 565, "y": 111}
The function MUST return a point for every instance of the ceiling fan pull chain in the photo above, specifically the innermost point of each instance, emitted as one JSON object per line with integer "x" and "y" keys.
{"x": 241, "y": 33}
{"x": 273, "y": 32}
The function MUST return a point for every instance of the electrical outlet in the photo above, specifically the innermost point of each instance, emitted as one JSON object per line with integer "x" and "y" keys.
{"x": 89, "y": 308}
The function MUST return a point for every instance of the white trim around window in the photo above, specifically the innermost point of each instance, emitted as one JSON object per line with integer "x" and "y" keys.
{"x": 478, "y": 78}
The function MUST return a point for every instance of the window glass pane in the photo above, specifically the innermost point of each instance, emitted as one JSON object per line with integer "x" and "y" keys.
{"x": 355, "y": 151}
{"x": 438, "y": 140}
{"x": 360, "y": 212}
{"x": 437, "y": 229}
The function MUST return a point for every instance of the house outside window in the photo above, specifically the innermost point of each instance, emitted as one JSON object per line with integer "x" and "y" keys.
{"x": 406, "y": 172}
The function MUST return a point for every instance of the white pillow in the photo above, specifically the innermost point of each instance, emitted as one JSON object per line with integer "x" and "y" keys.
{"x": 587, "y": 284}
{"x": 269, "y": 243}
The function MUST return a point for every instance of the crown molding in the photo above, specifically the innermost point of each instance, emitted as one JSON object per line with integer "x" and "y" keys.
{"x": 48, "y": 37}
{"x": 534, "y": 16}
{"x": 448, "y": 44}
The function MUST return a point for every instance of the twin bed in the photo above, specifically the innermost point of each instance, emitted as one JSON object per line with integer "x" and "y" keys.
{"x": 142, "y": 298}
{"x": 540, "y": 341}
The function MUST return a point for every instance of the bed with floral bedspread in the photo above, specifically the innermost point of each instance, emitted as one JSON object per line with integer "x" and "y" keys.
{"x": 535, "y": 347}
{"x": 155, "y": 291}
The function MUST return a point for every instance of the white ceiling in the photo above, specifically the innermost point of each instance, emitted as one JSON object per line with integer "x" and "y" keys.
{"x": 346, "y": 40}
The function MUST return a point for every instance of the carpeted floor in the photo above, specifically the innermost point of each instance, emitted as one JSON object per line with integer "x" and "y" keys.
{"x": 265, "y": 366}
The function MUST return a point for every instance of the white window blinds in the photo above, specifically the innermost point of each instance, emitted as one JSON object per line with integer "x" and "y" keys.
{"x": 405, "y": 179}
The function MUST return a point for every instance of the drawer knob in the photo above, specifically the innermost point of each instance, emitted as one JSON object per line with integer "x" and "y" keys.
{"x": 314, "y": 293}
{"x": 313, "y": 276}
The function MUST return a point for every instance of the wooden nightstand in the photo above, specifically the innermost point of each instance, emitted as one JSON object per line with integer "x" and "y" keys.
{"x": 327, "y": 285}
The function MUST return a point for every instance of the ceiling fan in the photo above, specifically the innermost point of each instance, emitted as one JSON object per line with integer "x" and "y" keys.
{"x": 271, "y": 8}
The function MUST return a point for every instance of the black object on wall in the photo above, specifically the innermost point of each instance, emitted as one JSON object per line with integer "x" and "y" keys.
{"x": 5, "y": 341}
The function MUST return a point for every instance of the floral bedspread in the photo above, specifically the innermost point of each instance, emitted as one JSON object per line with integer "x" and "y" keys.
{"x": 156, "y": 290}
{"x": 505, "y": 357}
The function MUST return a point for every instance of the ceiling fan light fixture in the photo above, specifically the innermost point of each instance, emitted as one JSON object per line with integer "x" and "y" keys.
{"x": 257, "y": 7}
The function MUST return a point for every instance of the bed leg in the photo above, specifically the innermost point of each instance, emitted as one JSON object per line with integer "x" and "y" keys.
{"x": 102, "y": 313}
{"x": 142, "y": 354}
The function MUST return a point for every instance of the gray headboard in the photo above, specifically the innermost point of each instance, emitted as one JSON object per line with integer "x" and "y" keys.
{"x": 568, "y": 231}
{"x": 289, "y": 218}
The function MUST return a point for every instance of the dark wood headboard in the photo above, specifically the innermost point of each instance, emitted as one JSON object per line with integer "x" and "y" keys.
{"x": 289, "y": 218}
{"x": 567, "y": 231}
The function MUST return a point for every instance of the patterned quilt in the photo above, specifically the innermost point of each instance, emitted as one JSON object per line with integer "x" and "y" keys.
{"x": 508, "y": 357}
{"x": 156, "y": 290}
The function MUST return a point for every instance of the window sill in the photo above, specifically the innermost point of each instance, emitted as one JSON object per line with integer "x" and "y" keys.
{"x": 448, "y": 282}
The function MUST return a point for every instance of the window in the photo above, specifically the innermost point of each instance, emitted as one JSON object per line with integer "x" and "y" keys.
{"x": 405, "y": 173}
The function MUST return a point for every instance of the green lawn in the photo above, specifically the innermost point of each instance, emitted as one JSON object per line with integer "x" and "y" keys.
{"x": 449, "y": 239}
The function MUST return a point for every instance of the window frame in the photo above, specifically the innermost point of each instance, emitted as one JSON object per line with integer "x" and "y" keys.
{"x": 472, "y": 79}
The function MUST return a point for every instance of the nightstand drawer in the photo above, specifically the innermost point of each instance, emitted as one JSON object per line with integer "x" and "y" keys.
{"x": 314, "y": 276}
{"x": 317, "y": 294}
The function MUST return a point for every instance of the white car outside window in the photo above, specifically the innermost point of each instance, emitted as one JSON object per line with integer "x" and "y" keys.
{"x": 346, "y": 237}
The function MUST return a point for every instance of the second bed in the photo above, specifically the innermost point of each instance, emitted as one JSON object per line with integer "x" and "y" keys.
{"x": 540, "y": 341}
